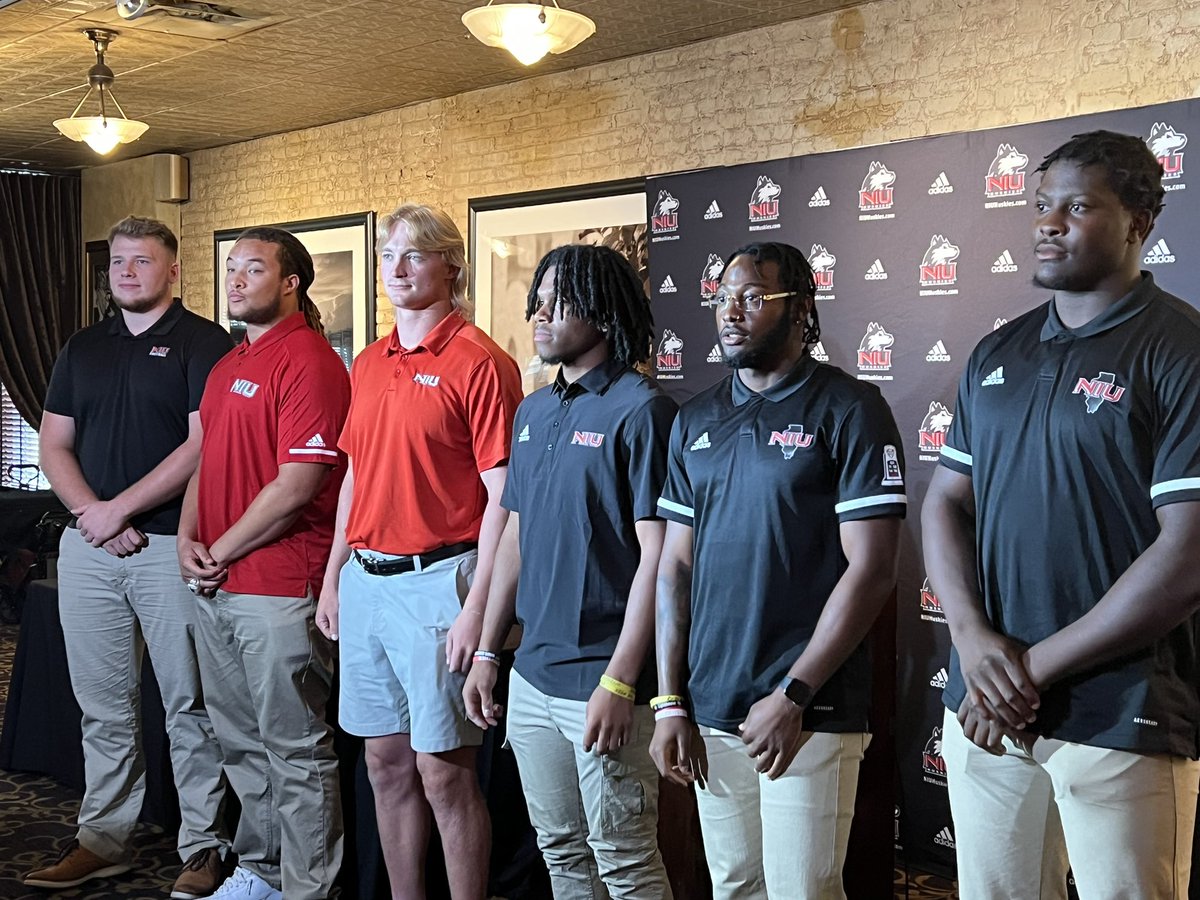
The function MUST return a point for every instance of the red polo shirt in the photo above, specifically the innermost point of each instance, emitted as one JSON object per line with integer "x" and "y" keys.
{"x": 281, "y": 399}
{"x": 424, "y": 422}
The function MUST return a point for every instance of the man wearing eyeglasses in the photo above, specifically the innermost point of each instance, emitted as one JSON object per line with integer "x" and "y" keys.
{"x": 783, "y": 502}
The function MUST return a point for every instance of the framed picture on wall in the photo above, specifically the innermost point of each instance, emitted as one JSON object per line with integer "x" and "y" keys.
{"x": 509, "y": 234}
{"x": 97, "y": 296}
{"x": 343, "y": 289}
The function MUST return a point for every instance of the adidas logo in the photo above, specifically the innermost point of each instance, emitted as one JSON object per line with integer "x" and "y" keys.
{"x": 941, "y": 185}
{"x": 876, "y": 272}
{"x": 818, "y": 198}
{"x": 997, "y": 377}
{"x": 937, "y": 353}
{"x": 818, "y": 352}
{"x": 1004, "y": 263}
{"x": 315, "y": 441}
{"x": 713, "y": 211}
{"x": 1159, "y": 253}
{"x": 524, "y": 435}
{"x": 944, "y": 838}
{"x": 940, "y": 678}
{"x": 996, "y": 325}
{"x": 714, "y": 355}
{"x": 701, "y": 443}
{"x": 668, "y": 286}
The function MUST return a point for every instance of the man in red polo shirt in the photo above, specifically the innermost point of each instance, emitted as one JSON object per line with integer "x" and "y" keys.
{"x": 418, "y": 522}
{"x": 255, "y": 534}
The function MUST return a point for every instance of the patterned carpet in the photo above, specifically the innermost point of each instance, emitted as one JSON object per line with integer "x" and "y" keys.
{"x": 36, "y": 816}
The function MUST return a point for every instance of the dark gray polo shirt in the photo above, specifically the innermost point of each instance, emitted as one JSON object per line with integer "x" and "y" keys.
{"x": 766, "y": 480}
{"x": 588, "y": 461}
{"x": 130, "y": 396}
{"x": 1072, "y": 439}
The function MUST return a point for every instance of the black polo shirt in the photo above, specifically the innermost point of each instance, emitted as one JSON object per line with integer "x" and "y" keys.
{"x": 588, "y": 461}
{"x": 130, "y": 396}
{"x": 766, "y": 480}
{"x": 1072, "y": 439}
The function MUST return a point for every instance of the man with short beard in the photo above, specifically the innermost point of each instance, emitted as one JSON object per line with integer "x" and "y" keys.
{"x": 119, "y": 440}
{"x": 784, "y": 494}
{"x": 253, "y": 540}
{"x": 1060, "y": 533}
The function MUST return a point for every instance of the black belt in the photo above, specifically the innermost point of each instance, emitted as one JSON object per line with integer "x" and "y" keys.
{"x": 411, "y": 563}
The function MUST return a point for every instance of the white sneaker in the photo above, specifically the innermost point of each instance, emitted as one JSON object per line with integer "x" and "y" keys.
{"x": 245, "y": 885}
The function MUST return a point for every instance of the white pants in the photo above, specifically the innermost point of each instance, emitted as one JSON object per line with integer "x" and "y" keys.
{"x": 1123, "y": 820}
{"x": 783, "y": 839}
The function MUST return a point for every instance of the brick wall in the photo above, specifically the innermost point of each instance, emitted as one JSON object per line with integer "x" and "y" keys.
{"x": 890, "y": 70}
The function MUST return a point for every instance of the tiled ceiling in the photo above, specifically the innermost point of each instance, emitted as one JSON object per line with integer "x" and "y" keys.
{"x": 314, "y": 62}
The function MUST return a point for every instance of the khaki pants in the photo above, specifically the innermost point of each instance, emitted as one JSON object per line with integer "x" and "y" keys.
{"x": 112, "y": 610}
{"x": 784, "y": 839}
{"x": 267, "y": 674}
{"x": 1123, "y": 820}
{"x": 596, "y": 816}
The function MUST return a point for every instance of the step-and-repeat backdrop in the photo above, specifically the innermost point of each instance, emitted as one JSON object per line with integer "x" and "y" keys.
{"x": 919, "y": 249}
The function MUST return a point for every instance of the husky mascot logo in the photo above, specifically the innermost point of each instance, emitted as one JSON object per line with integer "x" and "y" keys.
{"x": 1006, "y": 174}
{"x": 764, "y": 202}
{"x": 929, "y": 601}
{"x": 874, "y": 351}
{"x": 938, "y": 265}
{"x": 932, "y": 434}
{"x": 666, "y": 213}
{"x": 1167, "y": 146}
{"x": 822, "y": 263}
{"x": 790, "y": 439}
{"x": 710, "y": 278}
{"x": 670, "y": 352}
{"x": 876, "y": 190}
{"x": 931, "y": 757}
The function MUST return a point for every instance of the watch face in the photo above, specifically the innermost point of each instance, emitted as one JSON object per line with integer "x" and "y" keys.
{"x": 797, "y": 691}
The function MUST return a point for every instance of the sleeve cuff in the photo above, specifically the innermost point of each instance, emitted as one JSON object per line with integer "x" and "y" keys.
{"x": 676, "y": 512}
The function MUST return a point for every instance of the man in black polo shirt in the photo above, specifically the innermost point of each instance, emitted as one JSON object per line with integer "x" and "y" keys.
{"x": 1060, "y": 535}
{"x": 577, "y": 563}
{"x": 118, "y": 444}
{"x": 784, "y": 495}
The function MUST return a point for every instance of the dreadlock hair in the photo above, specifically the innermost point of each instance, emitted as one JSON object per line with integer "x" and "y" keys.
{"x": 598, "y": 285}
{"x": 294, "y": 259}
{"x": 795, "y": 275}
{"x": 1134, "y": 175}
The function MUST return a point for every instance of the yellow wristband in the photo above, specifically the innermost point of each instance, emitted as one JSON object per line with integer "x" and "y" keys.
{"x": 620, "y": 688}
{"x": 665, "y": 698}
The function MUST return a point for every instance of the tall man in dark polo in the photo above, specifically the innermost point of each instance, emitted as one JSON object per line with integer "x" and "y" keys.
{"x": 253, "y": 540}
{"x": 576, "y": 567}
{"x": 1060, "y": 534}
{"x": 119, "y": 440}
{"x": 784, "y": 496}
{"x": 418, "y": 522}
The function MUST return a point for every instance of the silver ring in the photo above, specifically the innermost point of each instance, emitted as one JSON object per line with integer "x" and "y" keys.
{"x": 193, "y": 584}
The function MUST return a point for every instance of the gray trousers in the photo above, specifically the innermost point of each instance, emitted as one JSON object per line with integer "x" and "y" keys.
{"x": 267, "y": 675}
{"x": 102, "y": 602}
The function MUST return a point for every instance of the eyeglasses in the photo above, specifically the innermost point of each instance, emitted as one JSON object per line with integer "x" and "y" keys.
{"x": 749, "y": 302}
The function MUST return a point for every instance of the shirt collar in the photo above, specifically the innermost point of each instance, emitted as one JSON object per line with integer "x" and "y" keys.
{"x": 780, "y": 390}
{"x": 433, "y": 342}
{"x": 1121, "y": 311}
{"x": 595, "y": 380}
{"x": 274, "y": 334}
{"x": 163, "y": 326}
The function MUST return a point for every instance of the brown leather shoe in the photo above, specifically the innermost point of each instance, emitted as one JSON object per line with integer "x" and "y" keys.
{"x": 74, "y": 866}
{"x": 200, "y": 876}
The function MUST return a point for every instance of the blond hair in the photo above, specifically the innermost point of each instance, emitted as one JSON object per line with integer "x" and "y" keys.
{"x": 139, "y": 227}
{"x": 432, "y": 230}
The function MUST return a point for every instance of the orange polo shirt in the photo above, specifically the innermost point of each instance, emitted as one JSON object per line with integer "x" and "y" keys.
{"x": 423, "y": 423}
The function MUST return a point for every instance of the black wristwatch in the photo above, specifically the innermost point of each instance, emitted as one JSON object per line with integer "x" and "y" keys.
{"x": 797, "y": 691}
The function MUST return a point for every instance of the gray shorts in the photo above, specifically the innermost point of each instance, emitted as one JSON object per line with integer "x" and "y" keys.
{"x": 392, "y": 633}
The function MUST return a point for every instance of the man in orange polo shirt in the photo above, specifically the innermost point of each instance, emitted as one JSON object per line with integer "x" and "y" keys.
{"x": 253, "y": 541}
{"x": 418, "y": 522}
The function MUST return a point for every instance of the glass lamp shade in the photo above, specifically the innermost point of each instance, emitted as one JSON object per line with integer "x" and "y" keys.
{"x": 101, "y": 133}
{"x": 518, "y": 28}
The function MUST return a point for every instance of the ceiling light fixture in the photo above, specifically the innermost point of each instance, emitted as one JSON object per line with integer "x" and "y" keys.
{"x": 528, "y": 30}
{"x": 101, "y": 132}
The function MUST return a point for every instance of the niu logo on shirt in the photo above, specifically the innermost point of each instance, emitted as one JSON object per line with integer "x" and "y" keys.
{"x": 587, "y": 438}
{"x": 788, "y": 441}
{"x": 1097, "y": 390}
{"x": 159, "y": 351}
{"x": 245, "y": 388}
{"x": 427, "y": 380}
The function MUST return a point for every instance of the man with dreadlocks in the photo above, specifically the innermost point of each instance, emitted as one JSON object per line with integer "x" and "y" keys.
{"x": 576, "y": 568}
{"x": 254, "y": 537}
{"x": 784, "y": 495}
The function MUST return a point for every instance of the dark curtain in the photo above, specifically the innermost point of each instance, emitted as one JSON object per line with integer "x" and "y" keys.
{"x": 41, "y": 277}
